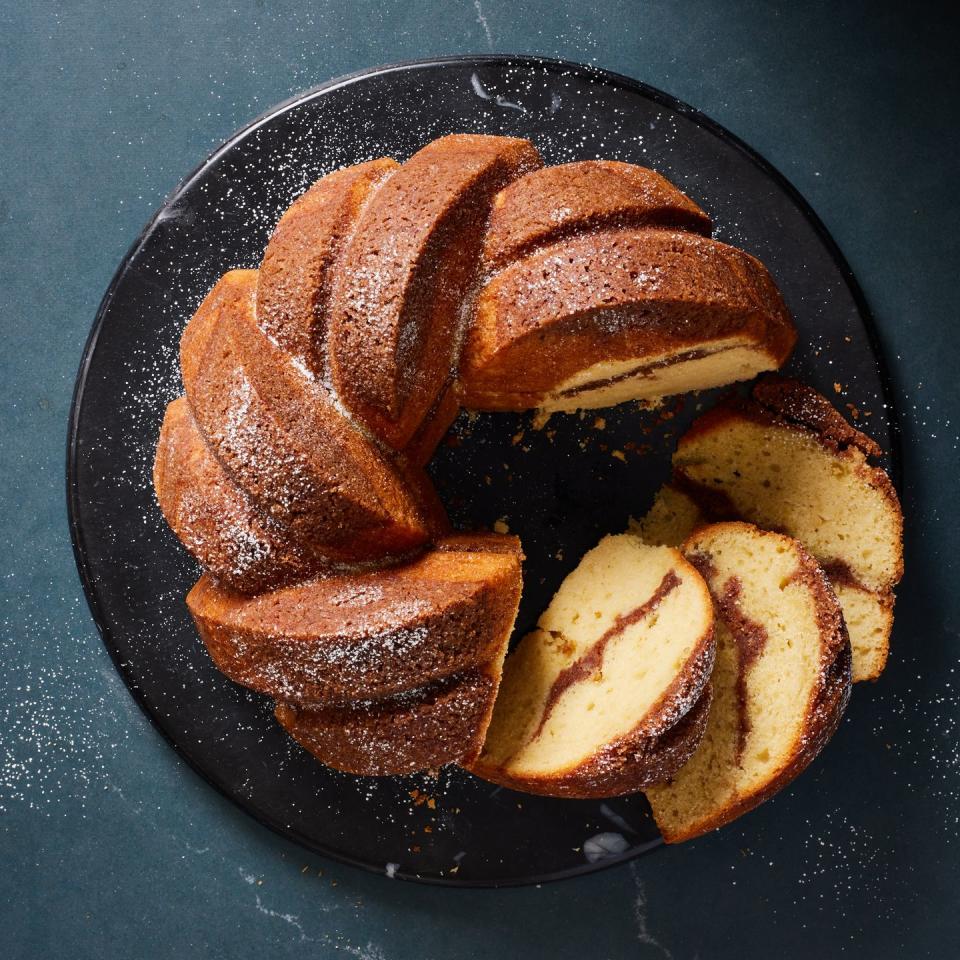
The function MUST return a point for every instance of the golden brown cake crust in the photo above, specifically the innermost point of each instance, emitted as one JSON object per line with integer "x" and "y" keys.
{"x": 280, "y": 438}
{"x": 553, "y": 203}
{"x": 238, "y": 545}
{"x": 421, "y": 729}
{"x": 299, "y": 265}
{"x": 365, "y": 634}
{"x": 614, "y": 295}
{"x": 397, "y": 308}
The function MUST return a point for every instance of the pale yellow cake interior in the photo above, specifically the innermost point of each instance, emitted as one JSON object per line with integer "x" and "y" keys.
{"x": 869, "y": 615}
{"x": 639, "y": 665}
{"x": 786, "y": 480}
{"x": 783, "y": 479}
{"x": 671, "y": 519}
{"x": 780, "y": 683}
{"x": 729, "y": 361}
{"x": 869, "y": 619}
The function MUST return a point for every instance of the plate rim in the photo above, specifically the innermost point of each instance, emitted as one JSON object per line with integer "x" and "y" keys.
{"x": 77, "y": 540}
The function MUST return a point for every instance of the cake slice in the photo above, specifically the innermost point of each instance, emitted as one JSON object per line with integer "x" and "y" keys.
{"x": 240, "y": 547}
{"x": 780, "y": 683}
{"x": 553, "y": 203}
{"x": 609, "y": 693}
{"x": 786, "y": 460}
{"x": 395, "y": 329}
{"x": 420, "y": 729}
{"x": 299, "y": 265}
{"x": 280, "y": 437}
{"x": 367, "y": 635}
{"x": 621, "y": 314}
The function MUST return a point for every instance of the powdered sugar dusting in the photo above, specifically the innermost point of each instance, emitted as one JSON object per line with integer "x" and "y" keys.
{"x": 531, "y": 482}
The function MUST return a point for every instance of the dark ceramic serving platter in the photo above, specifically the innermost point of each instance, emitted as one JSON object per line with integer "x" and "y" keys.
{"x": 560, "y": 488}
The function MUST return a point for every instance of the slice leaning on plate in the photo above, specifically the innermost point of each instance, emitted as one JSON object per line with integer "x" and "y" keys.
{"x": 780, "y": 684}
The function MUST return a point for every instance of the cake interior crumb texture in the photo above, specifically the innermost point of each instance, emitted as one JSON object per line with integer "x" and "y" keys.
{"x": 603, "y": 663}
{"x": 779, "y": 682}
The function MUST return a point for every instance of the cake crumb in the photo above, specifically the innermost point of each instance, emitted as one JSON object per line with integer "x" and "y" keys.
{"x": 540, "y": 419}
{"x": 501, "y": 526}
{"x": 837, "y": 388}
{"x": 619, "y": 455}
{"x": 600, "y": 423}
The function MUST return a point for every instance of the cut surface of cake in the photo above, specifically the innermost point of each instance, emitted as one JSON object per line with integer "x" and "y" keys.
{"x": 281, "y": 439}
{"x": 780, "y": 683}
{"x": 786, "y": 460}
{"x": 419, "y": 729}
{"x": 407, "y": 271}
{"x": 609, "y": 693}
{"x": 621, "y": 314}
{"x": 364, "y": 635}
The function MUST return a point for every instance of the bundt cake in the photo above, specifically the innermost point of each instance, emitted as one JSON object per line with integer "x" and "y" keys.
{"x": 780, "y": 683}
{"x": 609, "y": 694}
{"x": 786, "y": 460}
{"x": 317, "y": 388}
{"x": 369, "y": 634}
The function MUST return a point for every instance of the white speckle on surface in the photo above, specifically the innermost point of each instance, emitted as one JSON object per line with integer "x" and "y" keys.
{"x": 640, "y": 913}
{"x": 482, "y": 20}
{"x": 391, "y": 870}
{"x": 615, "y": 818}
{"x": 604, "y": 846}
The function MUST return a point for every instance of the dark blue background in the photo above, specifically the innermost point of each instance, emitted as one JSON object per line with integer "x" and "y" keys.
{"x": 108, "y": 845}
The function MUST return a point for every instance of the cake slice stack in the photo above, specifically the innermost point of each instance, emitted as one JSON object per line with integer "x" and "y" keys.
{"x": 379, "y": 672}
{"x": 786, "y": 460}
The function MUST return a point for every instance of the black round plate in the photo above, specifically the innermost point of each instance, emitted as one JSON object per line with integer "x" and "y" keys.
{"x": 561, "y": 487}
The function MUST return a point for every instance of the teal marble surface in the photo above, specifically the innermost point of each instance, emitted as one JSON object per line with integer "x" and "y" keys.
{"x": 109, "y": 846}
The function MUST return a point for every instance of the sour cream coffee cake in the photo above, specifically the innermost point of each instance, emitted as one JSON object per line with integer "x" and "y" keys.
{"x": 390, "y": 296}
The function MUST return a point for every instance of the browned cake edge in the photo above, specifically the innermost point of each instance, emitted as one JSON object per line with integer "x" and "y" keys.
{"x": 275, "y": 656}
{"x": 827, "y": 703}
{"x": 421, "y": 729}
